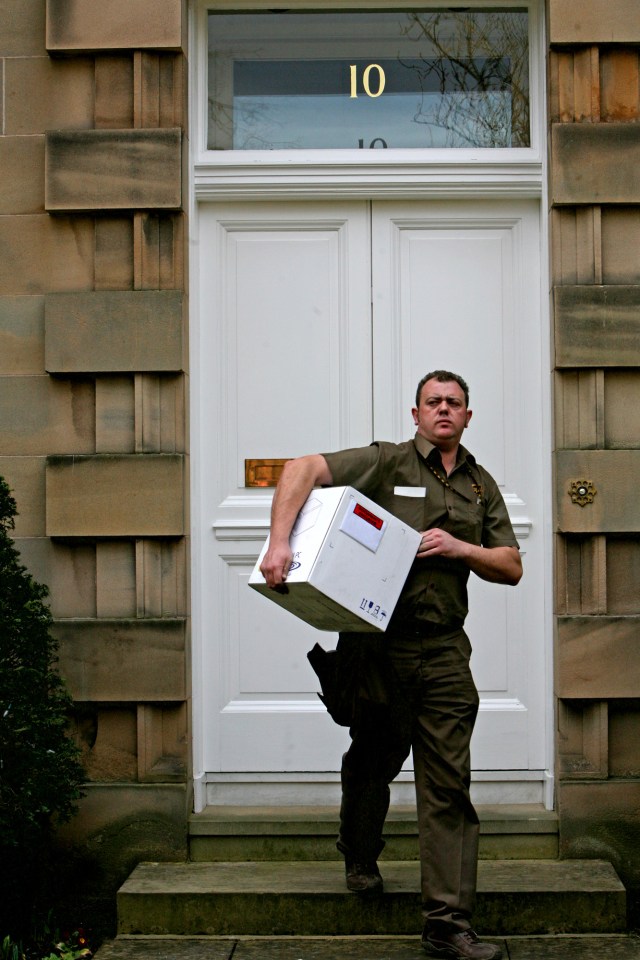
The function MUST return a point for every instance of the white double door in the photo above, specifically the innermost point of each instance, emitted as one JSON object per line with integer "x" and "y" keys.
{"x": 316, "y": 320}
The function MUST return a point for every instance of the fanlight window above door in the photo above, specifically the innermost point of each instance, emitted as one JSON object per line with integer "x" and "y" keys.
{"x": 369, "y": 80}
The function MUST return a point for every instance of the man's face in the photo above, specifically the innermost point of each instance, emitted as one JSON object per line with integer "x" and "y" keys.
{"x": 442, "y": 415}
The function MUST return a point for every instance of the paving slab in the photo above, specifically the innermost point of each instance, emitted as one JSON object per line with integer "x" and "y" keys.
{"x": 604, "y": 947}
{"x": 166, "y": 948}
{"x": 573, "y": 948}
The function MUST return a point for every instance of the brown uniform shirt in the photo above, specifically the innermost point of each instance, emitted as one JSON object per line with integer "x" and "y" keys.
{"x": 467, "y": 504}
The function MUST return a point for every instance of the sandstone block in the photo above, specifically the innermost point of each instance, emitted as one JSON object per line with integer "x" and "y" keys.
{"x": 594, "y": 21}
{"x": 107, "y": 737}
{"x": 621, "y": 425}
{"x": 23, "y": 28}
{"x": 614, "y": 475}
{"x": 597, "y": 326}
{"x": 619, "y": 84}
{"x": 624, "y": 736}
{"x": 115, "y": 584}
{"x": 114, "y": 269}
{"x": 43, "y": 94}
{"x": 115, "y": 415}
{"x": 21, "y": 336}
{"x": 113, "y": 331}
{"x": 39, "y": 414}
{"x": 595, "y": 163}
{"x": 162, "y": 743}
{"x": 42, "y": 254}
{"x": 113, "y": 170}
{"x": 68, "y": 570}
{"x": 620, "y": 244}
{"x": 583, "y": 736}
{"x": 115, "y": 822}
{"x": 22, "y": 183}
{"x": 601, "y": 820}
{"x": 139, "y": 495}
{"x": 114, "y": 92}
{"x": 596, "y": 657}
{"x": 79, "y": 25}
{"x": 123, "y": 660}
{"x": 26, "y": 479}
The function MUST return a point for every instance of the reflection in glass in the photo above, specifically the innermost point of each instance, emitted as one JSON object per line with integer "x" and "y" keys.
{"x": 368, "y": 80}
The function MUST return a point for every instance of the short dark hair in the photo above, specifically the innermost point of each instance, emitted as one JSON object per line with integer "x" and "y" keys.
{"x": 443, "y": 376}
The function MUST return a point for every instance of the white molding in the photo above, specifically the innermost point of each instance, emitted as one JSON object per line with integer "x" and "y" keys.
{"x": 419, "y": 177}
{"x": 314, "y": 705}
{"x": 521, "y": 527}
{"x": 200, "y": 782}
{"x": 347, "y": 174}
{"x": 487, "y": 787}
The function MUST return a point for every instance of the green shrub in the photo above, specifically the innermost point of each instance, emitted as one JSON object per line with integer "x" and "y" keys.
{"x": 40, "y": 771}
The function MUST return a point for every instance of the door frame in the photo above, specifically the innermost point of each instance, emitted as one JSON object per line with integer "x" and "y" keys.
{"x": 347, "y": 174}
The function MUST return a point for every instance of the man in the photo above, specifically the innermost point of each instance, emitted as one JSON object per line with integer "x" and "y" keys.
{"x": 435, "y": 485}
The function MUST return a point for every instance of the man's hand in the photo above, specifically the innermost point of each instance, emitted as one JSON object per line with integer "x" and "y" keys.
{"x": 275, "y": 565}
{"x": 495, "y": 564}
{"x": 439, "y": 543}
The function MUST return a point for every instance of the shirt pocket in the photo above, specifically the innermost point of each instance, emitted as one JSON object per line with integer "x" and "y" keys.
{"x": 409, "y": 509}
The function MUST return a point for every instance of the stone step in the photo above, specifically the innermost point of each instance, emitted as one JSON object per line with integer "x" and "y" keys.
{"x": 309, "y": 898}
{"x": 227, "y": 833}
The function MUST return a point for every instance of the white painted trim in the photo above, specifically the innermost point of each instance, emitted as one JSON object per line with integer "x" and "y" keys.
{"x": 342, "y": 174}
{"x": 487, "y": 787}
{"x": 405, "y": 179}
{"x": 315, "y": 706}
{"x": 405, "y": 776}
{"x": 336, "y": 175}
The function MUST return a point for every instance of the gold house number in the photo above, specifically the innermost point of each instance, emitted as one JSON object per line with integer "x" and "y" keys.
{"x": 366, "y": 84}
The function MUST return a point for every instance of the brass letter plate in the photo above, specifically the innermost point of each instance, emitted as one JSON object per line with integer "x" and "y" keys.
{"x": 263, "y": 473}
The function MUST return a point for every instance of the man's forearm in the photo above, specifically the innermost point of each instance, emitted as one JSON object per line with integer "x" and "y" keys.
{"x": 495, "y": 564}
{"x": 298, "y": 479}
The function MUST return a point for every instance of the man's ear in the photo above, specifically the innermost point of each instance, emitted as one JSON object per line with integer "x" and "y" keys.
{"x": 469, "y": 415}
{"x": 414, "y": 414}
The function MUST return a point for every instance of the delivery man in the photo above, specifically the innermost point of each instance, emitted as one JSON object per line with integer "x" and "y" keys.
{"x": 436, "y": 486}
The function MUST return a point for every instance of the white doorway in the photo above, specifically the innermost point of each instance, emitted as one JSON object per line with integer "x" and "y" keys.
{"x": 316, "y": 321}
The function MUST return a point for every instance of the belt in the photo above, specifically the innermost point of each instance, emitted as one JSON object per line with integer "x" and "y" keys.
{"x": 420, "y": 628}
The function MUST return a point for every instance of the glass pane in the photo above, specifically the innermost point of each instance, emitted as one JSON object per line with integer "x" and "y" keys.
{"x": 441, "y": 78}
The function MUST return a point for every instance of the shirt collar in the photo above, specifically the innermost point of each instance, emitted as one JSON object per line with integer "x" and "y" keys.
{"x": 425, "y": 447}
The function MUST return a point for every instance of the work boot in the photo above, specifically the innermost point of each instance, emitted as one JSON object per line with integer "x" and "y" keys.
{"x": 458, "y": 945}
{"x": 363, "y": 878}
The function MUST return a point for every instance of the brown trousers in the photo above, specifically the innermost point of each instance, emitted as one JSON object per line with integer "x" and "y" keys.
{"x": 432, "y": 711}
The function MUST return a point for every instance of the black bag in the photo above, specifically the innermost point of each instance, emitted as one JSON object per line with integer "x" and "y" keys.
{"x": 354, "y": 679}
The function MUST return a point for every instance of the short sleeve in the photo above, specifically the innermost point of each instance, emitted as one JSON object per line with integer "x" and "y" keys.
{"x": 497, "y": 530}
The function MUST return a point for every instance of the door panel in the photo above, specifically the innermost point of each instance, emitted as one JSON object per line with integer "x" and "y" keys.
{"x": 285, "y": 368}
{"x": 456, "y": 286}
{"x": 293, "y": 360}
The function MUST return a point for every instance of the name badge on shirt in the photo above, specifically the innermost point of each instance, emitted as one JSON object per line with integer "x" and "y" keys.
{"x": 410, "y": 491}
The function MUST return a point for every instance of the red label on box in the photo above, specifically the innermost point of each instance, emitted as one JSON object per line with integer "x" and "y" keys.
{"x": 365, "y": 514}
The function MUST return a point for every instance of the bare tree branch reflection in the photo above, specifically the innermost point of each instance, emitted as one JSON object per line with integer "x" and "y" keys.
{"x": 479, "y": 66}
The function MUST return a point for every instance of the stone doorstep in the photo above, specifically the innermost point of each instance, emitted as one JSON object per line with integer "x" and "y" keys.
{"x": 237, "y": 820}
{"x": 516, "y": 831}
{"x": 309, "y": 898}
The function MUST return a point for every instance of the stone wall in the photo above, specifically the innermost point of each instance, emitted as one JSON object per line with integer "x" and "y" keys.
{"x": 93, "y": 392}
{"x": 594, "y": 105}
{"x": 93, "y": 386}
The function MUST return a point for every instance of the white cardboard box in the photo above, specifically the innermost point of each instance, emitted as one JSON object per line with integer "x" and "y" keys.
{"x": 350, "y": 561}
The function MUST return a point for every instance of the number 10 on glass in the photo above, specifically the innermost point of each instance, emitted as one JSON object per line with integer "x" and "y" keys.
{"x": 367, "y": 80}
